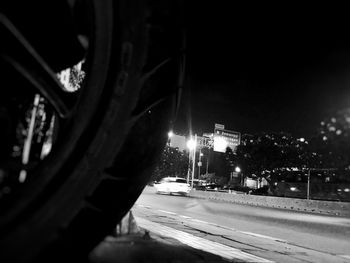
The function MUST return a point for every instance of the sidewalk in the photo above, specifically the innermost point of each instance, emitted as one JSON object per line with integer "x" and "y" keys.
{"x": 135, "y": 245}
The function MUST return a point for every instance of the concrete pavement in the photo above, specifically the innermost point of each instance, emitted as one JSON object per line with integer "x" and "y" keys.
{"x": 134, "y": 244}
{"x": 180, "y": 229}
{"x": 148, "y": 247}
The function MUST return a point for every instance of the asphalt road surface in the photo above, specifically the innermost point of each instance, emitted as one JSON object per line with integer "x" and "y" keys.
{"x": 242, "y": 233}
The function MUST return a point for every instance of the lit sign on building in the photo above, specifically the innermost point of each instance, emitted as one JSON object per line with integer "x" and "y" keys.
{"x": 224, "y": 139}
{"x": 178, "y": 141}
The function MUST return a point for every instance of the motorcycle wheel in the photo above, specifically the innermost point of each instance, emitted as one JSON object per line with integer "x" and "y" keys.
{"x": 108, "y": 134}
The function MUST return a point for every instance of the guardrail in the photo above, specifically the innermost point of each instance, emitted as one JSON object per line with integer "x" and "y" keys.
{"x": 312, "y": 206}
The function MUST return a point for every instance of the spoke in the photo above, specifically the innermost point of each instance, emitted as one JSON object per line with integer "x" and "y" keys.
{"x": 17, "y": 52}
{"x": 153, "y": 71}
{"x": 157, "y": 93}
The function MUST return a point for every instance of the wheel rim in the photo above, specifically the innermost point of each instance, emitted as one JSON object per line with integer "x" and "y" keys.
{"x": 68, "y": 107}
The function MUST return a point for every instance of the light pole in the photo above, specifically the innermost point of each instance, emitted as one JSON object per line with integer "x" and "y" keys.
{"x": 208, "y": 156}
{"x": 189, "y": 167}
{"x": 199, "y": 163}
{"x": 308, "y": 185}
{"x": 191, "y": 145}
{"x": 238, "y": 171}
{"x": 194, "y": 158}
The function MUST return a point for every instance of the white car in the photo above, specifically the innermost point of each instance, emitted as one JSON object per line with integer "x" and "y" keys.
{"x": 173, "y": 185}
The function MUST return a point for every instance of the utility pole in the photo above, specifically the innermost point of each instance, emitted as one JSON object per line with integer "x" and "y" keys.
{"x": 189, "y": 166}
{"x": 207, "y": 170}
{"x": 199, "y": 163}
{"x": 308, "y": 185}
{"x": 194, "y": 159}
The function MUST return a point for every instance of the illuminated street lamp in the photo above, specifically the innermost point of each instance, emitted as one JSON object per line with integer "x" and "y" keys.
{"x": 191, "y": 144}
{"x": 238, "y": 170}
{"x": 170, "y": 134}
{"x": 199, "y": 163}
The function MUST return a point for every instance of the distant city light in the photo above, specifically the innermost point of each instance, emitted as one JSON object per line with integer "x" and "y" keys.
{"x": 302, "y": 139}
{"x": 237, "y": 169}
{"x": 170, "y": 134}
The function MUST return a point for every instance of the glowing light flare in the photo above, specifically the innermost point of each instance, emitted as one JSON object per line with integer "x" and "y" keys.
{"x": 191, "y": 144}
{"x": 220, "y": 144}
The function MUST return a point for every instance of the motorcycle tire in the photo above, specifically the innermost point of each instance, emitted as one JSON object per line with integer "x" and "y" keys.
{"x": 109, "y": 142}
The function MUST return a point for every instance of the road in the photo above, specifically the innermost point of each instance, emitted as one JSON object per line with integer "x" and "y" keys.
{"x": 245, "y": 233}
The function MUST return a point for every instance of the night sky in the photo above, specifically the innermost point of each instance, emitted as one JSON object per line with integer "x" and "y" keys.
{"x": 256, "y": 69}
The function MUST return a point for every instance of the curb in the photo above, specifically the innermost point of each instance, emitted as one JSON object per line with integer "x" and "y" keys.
{"x": 302, "y": 205}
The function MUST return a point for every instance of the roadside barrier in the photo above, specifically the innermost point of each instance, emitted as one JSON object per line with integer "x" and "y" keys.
{"x": 311, "y": 206}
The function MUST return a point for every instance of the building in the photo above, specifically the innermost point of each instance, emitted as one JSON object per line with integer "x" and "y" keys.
{"x": 178, "y": 141}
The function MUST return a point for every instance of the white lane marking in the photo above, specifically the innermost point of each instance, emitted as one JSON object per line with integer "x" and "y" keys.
{"x": 262, "y": 236}
{"x": 144, "y": 206}
{"x": 213, "y": 224}
{"x": 167, "y": 212}
{"x": 200, "y": 221}
{"x": 344, "y": 256}
{"x": 186, "y": 217}
{"x": 244, "y": 232}
{"x": 200, "y": 243}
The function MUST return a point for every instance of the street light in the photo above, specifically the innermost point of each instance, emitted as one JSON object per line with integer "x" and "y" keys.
{"x": 238, "y": 170}
{"x": 191, "y": 144}
{"x": 170, "y": 134}
{"x": 199, "y": 163}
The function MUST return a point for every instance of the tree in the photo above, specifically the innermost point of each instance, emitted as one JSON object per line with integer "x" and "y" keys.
{"x": 76, "y": 76}
{"x": 44, "y": 119}
{"x": 331, "y": 143}
{"x": 265, "y": 152}
{"x": 171, "y": 163}
{"x": 222, "y": 166}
